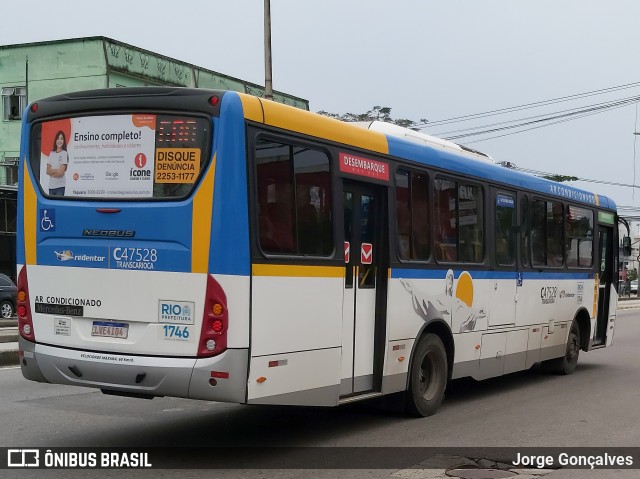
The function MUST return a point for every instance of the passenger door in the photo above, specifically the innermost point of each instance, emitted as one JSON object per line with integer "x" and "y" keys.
{"x": 503, "y": 304}
{"x": 364, "y": 287}
{"x": 604, "y": 283}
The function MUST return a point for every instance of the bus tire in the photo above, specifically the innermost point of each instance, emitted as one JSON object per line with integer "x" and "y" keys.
{"x": 427, "y": 377}
{"x": 567, "y": 364}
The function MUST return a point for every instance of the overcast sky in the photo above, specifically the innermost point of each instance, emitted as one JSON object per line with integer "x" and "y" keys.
{"x": 423, "y": 58}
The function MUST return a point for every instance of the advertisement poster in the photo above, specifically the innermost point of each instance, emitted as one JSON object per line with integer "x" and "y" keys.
{"x": 99, "y": 156}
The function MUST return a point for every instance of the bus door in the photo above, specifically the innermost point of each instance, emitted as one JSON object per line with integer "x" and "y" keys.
{"x": 604, "y": 283}
{"x": 504, "y": 283}
{"x": 364, "y": 307}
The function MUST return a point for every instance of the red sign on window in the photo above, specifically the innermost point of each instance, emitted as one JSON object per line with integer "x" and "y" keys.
{"x": 366, "y": 253}
{"x": 347, "y": 251}
{"x": 364, "y": 167}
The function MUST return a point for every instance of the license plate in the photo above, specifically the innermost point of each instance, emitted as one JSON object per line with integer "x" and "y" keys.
{"x": 107, "y": 329}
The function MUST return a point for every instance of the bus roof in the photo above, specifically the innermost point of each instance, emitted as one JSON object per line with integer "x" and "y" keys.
{"x": 429, "y": 151}
{"x": 416, "y": 147}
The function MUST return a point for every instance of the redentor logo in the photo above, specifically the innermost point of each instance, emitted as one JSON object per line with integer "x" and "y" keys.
{"x": 140, "y": 160}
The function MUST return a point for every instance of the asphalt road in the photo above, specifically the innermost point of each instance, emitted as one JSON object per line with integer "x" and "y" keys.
{"x": 596, "y": 406}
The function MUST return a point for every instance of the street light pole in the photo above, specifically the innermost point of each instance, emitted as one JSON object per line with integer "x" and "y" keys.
{"x": 268, "y": 84}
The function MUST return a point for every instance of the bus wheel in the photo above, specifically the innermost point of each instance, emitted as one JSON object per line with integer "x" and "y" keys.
{"x": 428, "y": 377}
{"x": 567, "y": 364}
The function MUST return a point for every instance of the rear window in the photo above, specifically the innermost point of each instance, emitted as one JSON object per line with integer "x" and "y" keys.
{"x": 130, "y": 156}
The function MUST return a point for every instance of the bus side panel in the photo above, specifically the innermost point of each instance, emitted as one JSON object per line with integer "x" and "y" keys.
{"x": 296, "y": 338}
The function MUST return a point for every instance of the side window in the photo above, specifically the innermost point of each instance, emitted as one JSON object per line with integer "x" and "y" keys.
{"x": 471, "y": 221}
{"x": 14, "y": 101}
{"x": 505, "y": 222}
{"x": 524, "y": 228}
{"x": 579, "y": 237}
{"x": 446, "y": 241}
{"x": 459, "y": 222}
{"x": 412, "y": 209}
{"x": 555, "y": 233}
{"x": 547, "y": 233}
{"x": 294, "y": 199}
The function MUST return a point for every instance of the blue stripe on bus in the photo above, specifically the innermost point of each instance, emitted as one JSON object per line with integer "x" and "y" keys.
{"x": 397, "y": 273}
{"x": 552, "y": 275}
{"x": 230, "y": 224}
{"x": 488, "y": 171}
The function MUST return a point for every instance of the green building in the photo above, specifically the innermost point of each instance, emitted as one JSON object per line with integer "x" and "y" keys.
{"x": 37, "y": 70}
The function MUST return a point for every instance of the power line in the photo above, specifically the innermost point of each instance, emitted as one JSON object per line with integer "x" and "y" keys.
{"x": 527, "y": 106}
{"x": 586, "y": 180}
{"x": 577, "y": 110}
{"x": 543, "y": 125}
{"x": 548, "y": 120}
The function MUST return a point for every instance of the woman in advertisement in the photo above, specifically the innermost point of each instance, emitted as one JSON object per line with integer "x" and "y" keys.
{"x": 57, "y": 165}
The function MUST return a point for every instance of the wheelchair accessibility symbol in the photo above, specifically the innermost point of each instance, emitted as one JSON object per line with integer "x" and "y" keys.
{"x": 48, "y": 220}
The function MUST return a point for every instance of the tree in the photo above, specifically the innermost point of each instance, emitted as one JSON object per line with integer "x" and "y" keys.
{"x": 379, "y": 113}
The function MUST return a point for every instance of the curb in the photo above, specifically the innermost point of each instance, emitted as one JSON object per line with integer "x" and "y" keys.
{"x": 9, "y": 358}
{"x": 631, "y": 306}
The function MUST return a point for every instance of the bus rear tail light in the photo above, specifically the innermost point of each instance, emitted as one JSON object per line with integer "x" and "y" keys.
{"x": 213, "y": 336}
{"x": 25, "y": 321}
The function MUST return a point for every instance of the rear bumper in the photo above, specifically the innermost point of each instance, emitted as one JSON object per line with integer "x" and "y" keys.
{"x": 141, "y": 375}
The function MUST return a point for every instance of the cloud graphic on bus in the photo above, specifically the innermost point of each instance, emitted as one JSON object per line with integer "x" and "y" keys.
{"x": 456, "y": 309}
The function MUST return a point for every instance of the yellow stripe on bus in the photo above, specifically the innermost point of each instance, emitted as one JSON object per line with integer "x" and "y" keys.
{"x": 302, "y": 121}
{"x": 30, "y": 208}
{"x": 252, "y": 108}
{"x": 295, "y": 271}
{"x": 201, "y": 218}
{"x": 597, "y": 200}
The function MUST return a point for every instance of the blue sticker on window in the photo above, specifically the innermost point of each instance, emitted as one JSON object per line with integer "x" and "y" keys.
{"x": 505, "y": 201}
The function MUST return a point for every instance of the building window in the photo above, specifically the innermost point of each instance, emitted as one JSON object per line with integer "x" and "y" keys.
{"x": 8, "y": 203}
{"x": 9, "y": 171}
{"x": 14, "y": 101}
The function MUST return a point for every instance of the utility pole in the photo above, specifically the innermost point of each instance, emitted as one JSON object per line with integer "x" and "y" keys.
{"x": 268, "y": 84}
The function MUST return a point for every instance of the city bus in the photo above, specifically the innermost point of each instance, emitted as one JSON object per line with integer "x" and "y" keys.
{"x": 218, "y": 246}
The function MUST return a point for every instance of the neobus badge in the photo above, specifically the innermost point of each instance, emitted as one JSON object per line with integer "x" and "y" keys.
{"x": 364, "y": 167}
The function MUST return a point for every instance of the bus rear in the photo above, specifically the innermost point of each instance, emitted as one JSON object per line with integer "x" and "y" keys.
{"x": 116, "y": 200}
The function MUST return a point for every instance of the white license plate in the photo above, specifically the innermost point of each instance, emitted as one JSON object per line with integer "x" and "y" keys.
{"x": 108, "y": 329}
